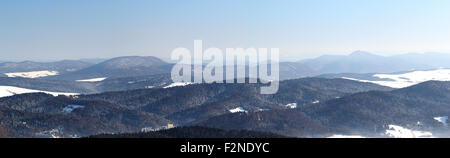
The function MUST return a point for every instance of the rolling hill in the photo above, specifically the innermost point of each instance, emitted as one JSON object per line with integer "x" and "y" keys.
{"x": 43, "y": 115}
{"x": 61, "y": 67}
{"x": 423, "y": 107}
{"x": 28, "y": 115}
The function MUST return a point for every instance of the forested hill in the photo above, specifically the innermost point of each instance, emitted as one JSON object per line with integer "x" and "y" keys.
{"x": 193, "y": 132}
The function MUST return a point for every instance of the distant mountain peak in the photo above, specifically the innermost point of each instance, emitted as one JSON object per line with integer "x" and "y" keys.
{"x": 124, "y": 66}
{"x": 134, "y": 61}
{"x": 361, "y": 53}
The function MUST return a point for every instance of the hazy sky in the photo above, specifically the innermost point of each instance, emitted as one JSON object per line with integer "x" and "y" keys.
{"x": 72, "y": 29}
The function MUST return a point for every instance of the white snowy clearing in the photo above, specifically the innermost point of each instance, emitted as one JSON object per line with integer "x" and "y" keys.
{"x": 409, "y": 78}
{"x": 177, "y": 84}
{"x": 238, "y": 109}
{"x": 93, "y": 79}
{"x": 32, "y": 74}
{"x": 401, "y": 132}
{"x": 10, "y": 91}
{"x": 291, "y": 105}
{"x": 345, "y": 136}
{"x": 442, "y": 119}
{"x": 70, "y": 108}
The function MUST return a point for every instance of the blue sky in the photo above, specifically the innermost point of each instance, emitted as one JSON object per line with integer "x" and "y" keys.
{"x": 72, "y": 29}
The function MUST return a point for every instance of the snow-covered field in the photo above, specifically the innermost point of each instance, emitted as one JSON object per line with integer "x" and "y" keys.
{"x": 401, "y": 132}
{"x": 32, "y": 74}
{"x": 409, "y": 78}
{"x": 93, "y": 79}
{"x": 238, "y": 109}
{"x": 177, "y": 84}
{"x": 10, "y": 90}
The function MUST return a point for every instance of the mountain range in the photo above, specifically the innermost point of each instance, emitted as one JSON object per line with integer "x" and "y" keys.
{"x": 63, "y": 66}
{"x": 28, "y": 115}
{"x": 135, "y": 72}
{"x": 131, "y": 66}
{"x": 356, "y": 94}
{"x": 366, "y": 113}
{"x": 308, "y": 107}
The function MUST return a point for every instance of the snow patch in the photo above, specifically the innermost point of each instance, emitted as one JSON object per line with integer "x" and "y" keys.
{"x": 6, "y": 91}
{"x": 238, "y": 109}
{"x": 442, "y": 119}
{"x": 316, "y": 102}
{"x": 177, "y": 84}
{"x": 291, "y": 105}
{"x": 93, "y": 79}
{"x": 401, "y": 132}
{"x": 32, "y": 74}
{"x": 147, "y": 129}
{"x": 53, "y": 133}
{"x": 408, "y": 79}
{"x": 150, "y": 129}
{"x": 70, "y": 108}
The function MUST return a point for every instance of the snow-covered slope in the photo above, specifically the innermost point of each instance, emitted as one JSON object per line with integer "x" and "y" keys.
{"x": 408, "y": 79}
{"x": 177, "y": 84}
{"x": 93, "y": 79}
{"x": 32, "y": 74}
{"x": 10, "y": 90}
{"x": 238, "y": 109}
